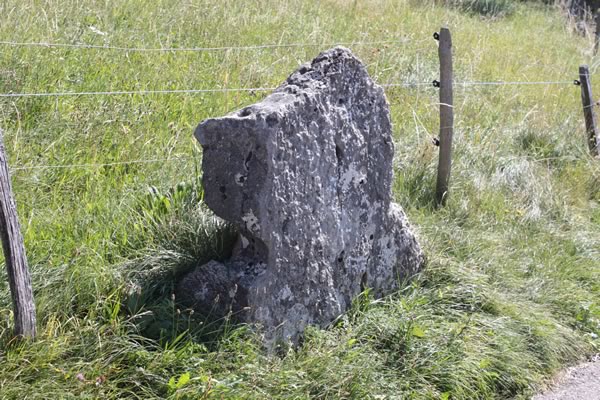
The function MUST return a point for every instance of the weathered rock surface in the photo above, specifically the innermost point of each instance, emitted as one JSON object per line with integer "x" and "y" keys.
{"x": 306, "y": 176}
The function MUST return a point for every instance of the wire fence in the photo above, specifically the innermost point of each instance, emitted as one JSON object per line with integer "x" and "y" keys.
{"x": 404, "y": 40}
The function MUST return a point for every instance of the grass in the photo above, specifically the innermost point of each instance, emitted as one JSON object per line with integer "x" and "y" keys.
{"x": 487, "y": 8}
{"x": 511, "y": 292}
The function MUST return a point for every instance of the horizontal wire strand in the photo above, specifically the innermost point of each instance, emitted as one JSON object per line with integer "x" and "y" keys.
{"x": 258, "y": 89}
{"x": 130, "y": 92}
{"x": 198, "y": 49}
{"x": 93, "y": 165}
{"x": 176, "y": 91}
{"x": 516, "y": 83}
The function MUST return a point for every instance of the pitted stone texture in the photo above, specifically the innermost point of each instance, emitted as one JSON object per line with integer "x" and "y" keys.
{"x": 306, "y": 176}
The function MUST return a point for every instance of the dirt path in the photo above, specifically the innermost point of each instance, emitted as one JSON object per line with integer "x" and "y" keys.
{"x": 581, "y": 382}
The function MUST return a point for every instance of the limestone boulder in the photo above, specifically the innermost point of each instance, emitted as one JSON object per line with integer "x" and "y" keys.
{"x": 306, "y": 177}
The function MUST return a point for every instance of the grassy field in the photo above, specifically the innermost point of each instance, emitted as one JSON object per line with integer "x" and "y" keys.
{"x": 511, "y": 292}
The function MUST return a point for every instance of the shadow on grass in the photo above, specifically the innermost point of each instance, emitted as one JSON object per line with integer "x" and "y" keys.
{"x": 185, "y": 235}
{"x": 151, "y": 303}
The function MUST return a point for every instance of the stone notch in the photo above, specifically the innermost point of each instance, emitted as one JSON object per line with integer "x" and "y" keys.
{"x": 306, "y": 177}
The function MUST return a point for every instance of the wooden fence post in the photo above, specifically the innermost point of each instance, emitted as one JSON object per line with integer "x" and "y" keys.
{"x": 14, "y": 255}
{"x": 446, "y": 116}
{"x": 588, "y": 109}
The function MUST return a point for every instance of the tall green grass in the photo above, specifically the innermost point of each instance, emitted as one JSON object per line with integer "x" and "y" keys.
{"x": 511, "y": 290}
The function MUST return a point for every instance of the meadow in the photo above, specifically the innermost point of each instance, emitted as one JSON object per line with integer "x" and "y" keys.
{"x": 108, "y": 195}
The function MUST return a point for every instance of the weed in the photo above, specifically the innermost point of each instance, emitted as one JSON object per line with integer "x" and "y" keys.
{"x": 510, "y": 294}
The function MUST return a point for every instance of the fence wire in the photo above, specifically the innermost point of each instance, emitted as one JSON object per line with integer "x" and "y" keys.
{"x": 503, "y": 83}
{"x": 99, "y": 165}
{"x": 204, "y": 49}
{"x": 136, "y": 92}
{"x": 263, "y": 89}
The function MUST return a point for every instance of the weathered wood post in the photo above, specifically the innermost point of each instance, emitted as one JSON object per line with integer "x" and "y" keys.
{"x": 14, "y": 255}
{"x": 588, "y": 109}
{"x": 446, "y": 115}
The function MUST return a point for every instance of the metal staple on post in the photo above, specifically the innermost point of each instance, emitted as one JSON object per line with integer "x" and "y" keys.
{"x": 446, "y": 116}
{"x": 14, "y": 253}
{"x": 588, "y": 109}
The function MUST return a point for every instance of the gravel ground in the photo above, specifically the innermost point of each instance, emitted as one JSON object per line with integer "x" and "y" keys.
{"x": 581, "y": 382}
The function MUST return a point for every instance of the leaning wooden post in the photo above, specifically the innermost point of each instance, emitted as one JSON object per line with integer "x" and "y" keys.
{"x": 446, "y": 115}
{"x": 14, "y": 255}
{"x": 588, "y": 109}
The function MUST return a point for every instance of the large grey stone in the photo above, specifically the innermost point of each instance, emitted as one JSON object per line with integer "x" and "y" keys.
{"x": 306, "y": 176}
